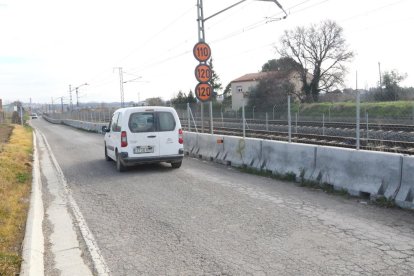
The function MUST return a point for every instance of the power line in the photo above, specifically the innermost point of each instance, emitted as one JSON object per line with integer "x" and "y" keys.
{"x": 240, "y": 31}
{"x": 169, "y": 25}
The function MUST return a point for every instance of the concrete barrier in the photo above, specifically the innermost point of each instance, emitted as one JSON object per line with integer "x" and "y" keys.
{"x": 190, "y": 143}
{"x": 240, "y": 152}
{"x": 405, "y": 196}
{"x": 361, "y": 173}
{"x": 51, "y": 120}
{"x": 208, "y": 148}
{"x": 89, "y": 126}
{"x": 285, "y": 158}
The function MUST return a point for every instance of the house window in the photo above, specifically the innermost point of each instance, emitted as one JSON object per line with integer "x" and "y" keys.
{"x": 239, "y": 89}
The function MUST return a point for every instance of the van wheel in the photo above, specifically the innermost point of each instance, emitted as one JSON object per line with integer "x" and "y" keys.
{"x": 107, "y": 158}
{"x": 119, "y": 166}
{"x": 176, "y": 165}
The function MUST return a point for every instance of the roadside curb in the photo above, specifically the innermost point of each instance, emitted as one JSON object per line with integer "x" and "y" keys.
{"x": 33, "y": 243}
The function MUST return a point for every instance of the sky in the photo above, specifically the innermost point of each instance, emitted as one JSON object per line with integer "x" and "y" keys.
{"x": 47, "y": 45}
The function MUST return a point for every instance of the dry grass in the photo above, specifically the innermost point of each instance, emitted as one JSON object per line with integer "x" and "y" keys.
{"x": 15, "y": 184}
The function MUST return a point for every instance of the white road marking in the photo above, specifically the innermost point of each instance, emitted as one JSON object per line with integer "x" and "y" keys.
{"x": 97, "y": 258}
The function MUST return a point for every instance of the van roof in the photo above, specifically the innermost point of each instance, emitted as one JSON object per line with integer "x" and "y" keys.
{"x": 145, "y": 108}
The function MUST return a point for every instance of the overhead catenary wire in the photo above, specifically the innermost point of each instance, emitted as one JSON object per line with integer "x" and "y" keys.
{"x": 170, "y": 55}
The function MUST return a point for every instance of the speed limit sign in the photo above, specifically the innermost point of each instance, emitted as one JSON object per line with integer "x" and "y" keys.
{"x": 203, "y": 73}
{"x": 203, "y": 92}
{"x": 202, "y": 51}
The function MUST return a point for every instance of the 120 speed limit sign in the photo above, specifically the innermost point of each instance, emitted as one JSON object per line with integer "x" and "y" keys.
{"x": 204, "y": 91}
{"x": 203, "y": 73}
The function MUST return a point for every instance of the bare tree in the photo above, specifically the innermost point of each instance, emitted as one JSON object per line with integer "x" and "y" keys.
{"x": 322, "y": 52}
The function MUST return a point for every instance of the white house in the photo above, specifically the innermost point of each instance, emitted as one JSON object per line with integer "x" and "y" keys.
{"x": 241, "y": 87}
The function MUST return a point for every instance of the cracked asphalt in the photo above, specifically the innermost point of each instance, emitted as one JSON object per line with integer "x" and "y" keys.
{"x": 208, "y": 219}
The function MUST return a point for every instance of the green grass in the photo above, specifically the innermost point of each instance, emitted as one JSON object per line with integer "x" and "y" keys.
{"x": 15, "y": 183}
{"x": 348, "y": 109}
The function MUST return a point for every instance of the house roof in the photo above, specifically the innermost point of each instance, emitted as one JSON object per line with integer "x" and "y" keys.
{"x": 262, "y": 75}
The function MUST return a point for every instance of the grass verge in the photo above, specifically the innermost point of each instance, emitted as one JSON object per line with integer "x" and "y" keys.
{"x": 15, "y": 184}
{"x": 396, "y": 109}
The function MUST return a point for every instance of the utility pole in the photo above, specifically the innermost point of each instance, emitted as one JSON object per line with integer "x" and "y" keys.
{"x": 380, "y": 75}
{"x": 121, "y": 85}
{"x": 70, "y": 97}
{"x": 77, "y": 97}
{"x": 61, "y": 104}
{"x": 201, "y": 38}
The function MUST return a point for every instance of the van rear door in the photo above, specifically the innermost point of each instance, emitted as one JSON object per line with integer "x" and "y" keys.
{"x": 144, "y": 139}
{"x": 168, "y": 133}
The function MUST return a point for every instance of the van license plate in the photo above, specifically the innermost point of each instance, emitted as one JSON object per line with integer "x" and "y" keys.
{"x": 146, "y": 149}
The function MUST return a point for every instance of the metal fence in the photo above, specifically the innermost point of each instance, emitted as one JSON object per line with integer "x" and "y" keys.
{"x": 357, "y": 122}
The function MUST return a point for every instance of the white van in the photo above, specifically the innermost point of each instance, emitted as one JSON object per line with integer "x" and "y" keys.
{"x": 145, "y": 134}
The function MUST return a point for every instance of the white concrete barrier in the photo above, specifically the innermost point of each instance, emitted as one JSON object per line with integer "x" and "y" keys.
{"x": 51, "y": 120}
{"x": 240, "y": 152}
{"x": 359, "y": 172}
{"x": 405, "y": 196}
{"x": 190, "y": 143}
{"x": 285, "y": 158}
{"x": 89, "y": 126}
{"x": 208, "y": 148}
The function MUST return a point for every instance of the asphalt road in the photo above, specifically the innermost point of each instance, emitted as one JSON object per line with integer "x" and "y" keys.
{"x": 208, "y": 219}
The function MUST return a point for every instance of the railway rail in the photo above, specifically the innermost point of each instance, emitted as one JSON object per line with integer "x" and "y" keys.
{"x": 404, "y": 147}
{"x": 341, "y": 125}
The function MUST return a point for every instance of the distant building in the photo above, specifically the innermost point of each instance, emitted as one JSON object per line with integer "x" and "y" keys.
{"x": 242, "y": 86}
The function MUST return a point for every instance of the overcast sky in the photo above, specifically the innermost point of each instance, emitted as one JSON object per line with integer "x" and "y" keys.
{"x": 48, "y": 44}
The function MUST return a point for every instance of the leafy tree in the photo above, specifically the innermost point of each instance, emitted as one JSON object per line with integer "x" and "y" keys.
{"x": 321, "y": 50}
{"x": 155, "y": 101}
{"x": 215, "y": 81}
{"x": 191, "y": 98}
{"x": 282, "y": 64}
{"x": 268, "y": 92}
{"x": 227, "y": 96}
{"x": 180, "y": 99}
{"x": 391, "y": 83}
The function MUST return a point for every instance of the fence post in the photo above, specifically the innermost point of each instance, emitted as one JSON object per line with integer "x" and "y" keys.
{"x": 211, "y": 117}
{"x": 323, "y": 124}
{"x": 289, "y": 121}
{"x": 267, "y": 122}
{"x": 358, "y": 119}
{"x": 244, "y": 121}
{"x": 188, "y": 119}
{"x": 202, "y": 117}
{"x": 296, "y": 123}
{"x": 367, "y": 126}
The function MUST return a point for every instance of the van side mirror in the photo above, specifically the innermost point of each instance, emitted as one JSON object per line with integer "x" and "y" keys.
{"x": 105, "y": 129}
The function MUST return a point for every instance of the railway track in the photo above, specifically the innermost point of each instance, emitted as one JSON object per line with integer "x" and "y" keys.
{"x": 339, "y": 125}
{"x": 403, "y": 147}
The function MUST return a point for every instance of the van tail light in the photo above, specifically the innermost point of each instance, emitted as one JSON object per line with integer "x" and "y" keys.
{"x": 180, "y": 136}
{"x": 124, "y": 140}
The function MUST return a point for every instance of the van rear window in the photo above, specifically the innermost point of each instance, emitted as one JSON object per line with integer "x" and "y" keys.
{"x": 151, "y": 122}
{"x": 166, "y": 121}
{"x": 142, "y": 122}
